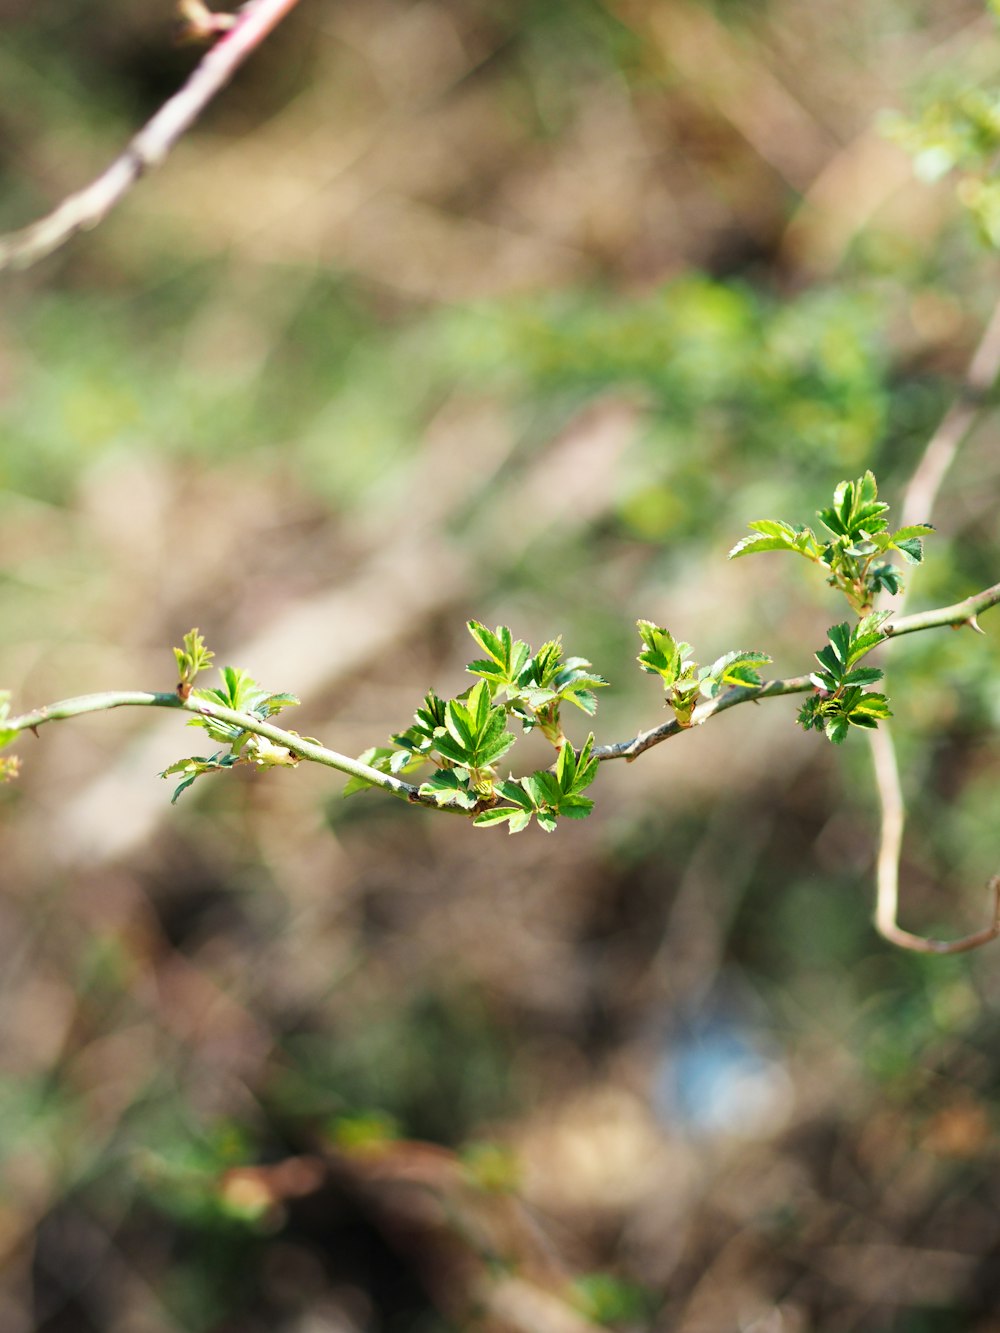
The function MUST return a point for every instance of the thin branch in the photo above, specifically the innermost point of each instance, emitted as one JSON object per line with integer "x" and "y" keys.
{"x": 958, "y": 615}
{"x": 889, "y": 852}
{"x": 149, "y": 147}
{"x": 956, "y": 426}
{"x": 298, "y": 745}
{"x": 739, "y": 694}
{"x": 961, "y": 613}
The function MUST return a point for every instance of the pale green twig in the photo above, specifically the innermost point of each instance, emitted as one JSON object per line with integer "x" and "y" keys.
{"x": 297, "y": 745}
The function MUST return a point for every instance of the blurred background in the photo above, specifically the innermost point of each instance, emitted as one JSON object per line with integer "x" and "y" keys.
{"x": 516, "y": 311}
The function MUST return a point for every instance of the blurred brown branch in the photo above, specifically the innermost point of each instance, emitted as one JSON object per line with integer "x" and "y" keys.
{"x": 149, "y": 147}
{"x": 890, "y": 848}
{"x": 955, "y": 428}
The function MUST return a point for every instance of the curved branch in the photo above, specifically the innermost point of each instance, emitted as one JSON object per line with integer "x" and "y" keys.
{"x": 149, "y": 147}
{"x": 890, "y": 794}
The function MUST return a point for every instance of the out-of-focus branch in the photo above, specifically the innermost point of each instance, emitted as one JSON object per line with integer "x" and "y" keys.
{"x": 887, "y": 869}
{"x": 955, "y": 427}
{"x": 149, "y": 147}
{"x": 918, "y": 503}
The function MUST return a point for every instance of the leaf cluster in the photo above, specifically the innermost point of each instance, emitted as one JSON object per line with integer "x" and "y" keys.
{"x": 546, "y": 795}
{"x": 239, "y": 692}
{"x": 683, "y": 679}
{"x": 192, "y": 658}
{"x": 852, "y": 553}
{"x": 842, "y": 699}
{"x": 534, "y": 684}
{"x": 465, "y": 738}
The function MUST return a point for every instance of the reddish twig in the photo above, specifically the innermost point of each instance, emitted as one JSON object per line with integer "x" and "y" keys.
{"x": 150, "y": 146}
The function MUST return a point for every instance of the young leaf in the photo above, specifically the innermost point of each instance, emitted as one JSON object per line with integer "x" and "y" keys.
{"x": 191, "y": 659}
{"x": 7, "y": 734}
{"x": 447, "y": 787}
{"x": 196, "y": 766}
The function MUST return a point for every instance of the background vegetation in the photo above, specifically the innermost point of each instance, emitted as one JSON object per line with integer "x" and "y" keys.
{"x": 518, "y": 312}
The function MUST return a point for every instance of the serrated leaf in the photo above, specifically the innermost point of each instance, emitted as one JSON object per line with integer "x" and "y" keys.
{"x": 497, "y": 815}
{"x": 448, "y": 787}
{"x": 194, "y": 767}
{"x": 543, "y": 788}
{"x": 914, "y": 530}
{"x": 875, "y": 705}
{"x": 836, "y": 728}
{"x": 840, "y": 639}
{"x": 490, "y": 642}
{"x": 566, "y": 767}
{"x": 519, "y": 820}
{"x": 754, "y": 545}
{"x": 863, "y": 676}
{"x": 575, "y": 807}
{"x": 546, "y": 820}
{"x": 449, "y": 748}
{"x": 459, "y": 724}
{"x": 828, "y": 658}
{"x": 513, "y": 790}
{"x": 489, "y": 670}
{"x": 912, "y": 549}
{"x": 740, "y": 674}
{"x": 774, "y": 527}
{"x": 886, "y": 577}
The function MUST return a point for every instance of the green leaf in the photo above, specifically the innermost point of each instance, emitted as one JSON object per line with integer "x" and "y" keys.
{"x": 491, "y": 642}
{"x": 512, "y": 790}
{"x": 886, "y": 578}
{"x": 914, "y": 530}
{"x": 840, "y": 638}
{"x": 377, "y": 756}
{"x": 7, "y": 734}
{"x": 753, "y": 545}
{"x": 663, "y": 655}
{"x": 912, "y": 549}
{"x": 733, "y": 668}
{"x": 447, "y": 787}
{"x": 193, "y": 657}
{"x": 863, "y": 676}
{"x": 195, "y": 767}
{"x": 836, "y": 728}
{"x": 575, "y": 807}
